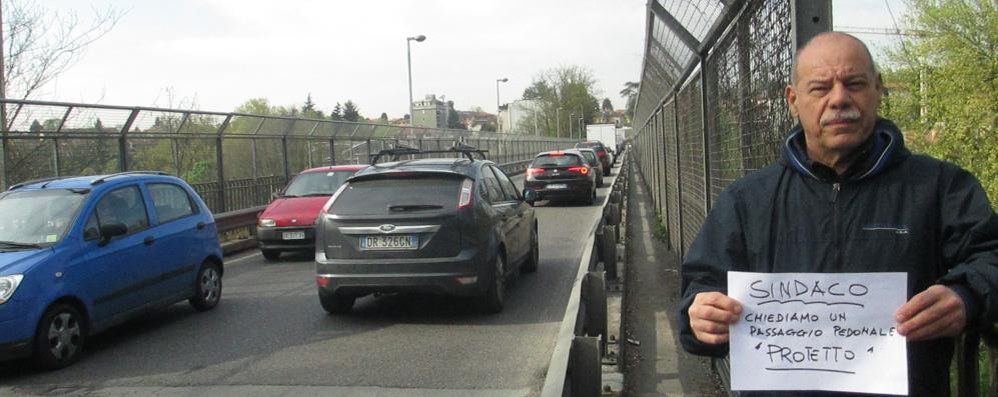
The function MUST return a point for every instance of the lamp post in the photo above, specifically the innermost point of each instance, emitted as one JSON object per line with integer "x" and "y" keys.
{"x": 502, "y": 80}
{"x": 408, "y": 54}
{"x": 557, "y": 120}
{"x": 571, "y": 116}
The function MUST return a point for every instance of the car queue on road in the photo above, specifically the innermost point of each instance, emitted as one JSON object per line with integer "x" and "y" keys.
{"x": 87, "y": 253}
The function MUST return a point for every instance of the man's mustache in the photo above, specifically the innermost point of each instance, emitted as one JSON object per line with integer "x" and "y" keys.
{"x": 844, "y": 116}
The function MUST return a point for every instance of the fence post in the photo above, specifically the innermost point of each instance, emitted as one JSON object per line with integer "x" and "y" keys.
{"x": 679, "y": 174}
{"x": 122, "y": 140}
{"x": 704, "y": 125}
{"x": 220, "y": 163}
{"x": 810, "y": 17}
{"x": 332, "y": 151}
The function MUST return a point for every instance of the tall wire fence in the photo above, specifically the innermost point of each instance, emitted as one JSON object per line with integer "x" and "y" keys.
{"x": 711, "y": 109}
{"x": 711, "y": 106}
{"x": 233, "y": 160}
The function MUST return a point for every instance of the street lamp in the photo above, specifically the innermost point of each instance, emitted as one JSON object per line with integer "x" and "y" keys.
{"x": 570, "y": 129}
{"x": 557, "y": 120}
{"x": 408, "y": 54}
{"x": 502, "y": 80}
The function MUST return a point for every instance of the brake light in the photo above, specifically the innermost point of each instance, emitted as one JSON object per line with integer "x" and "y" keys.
{"x": 556, "y": 154}
{"x": 601, "y": 153}
{"x": 464, "y": 199}
{"x": 581, "y": 170}
{"x": 534, "y": 171}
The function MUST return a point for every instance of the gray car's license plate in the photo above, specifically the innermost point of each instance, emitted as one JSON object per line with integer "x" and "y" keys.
{"x": 389, "y": 242}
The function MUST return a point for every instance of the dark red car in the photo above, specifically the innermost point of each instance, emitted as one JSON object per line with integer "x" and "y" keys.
{"x": 288, "y": 223}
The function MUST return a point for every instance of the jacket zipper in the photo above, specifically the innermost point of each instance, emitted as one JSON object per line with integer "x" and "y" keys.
{"x": 835, "y": 221}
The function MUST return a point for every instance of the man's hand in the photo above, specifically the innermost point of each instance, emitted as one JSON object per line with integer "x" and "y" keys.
{"x": 934, "y": 313}
{"x": 710, "y": 315}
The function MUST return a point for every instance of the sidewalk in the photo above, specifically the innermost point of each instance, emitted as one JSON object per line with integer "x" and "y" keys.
{"x": 655, "y": 365}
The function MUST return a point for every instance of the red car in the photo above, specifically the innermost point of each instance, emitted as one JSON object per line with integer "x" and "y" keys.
{"x": 288, "y": 222}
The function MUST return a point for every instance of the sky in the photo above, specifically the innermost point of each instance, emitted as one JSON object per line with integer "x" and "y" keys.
{"x": 217, "y": 54}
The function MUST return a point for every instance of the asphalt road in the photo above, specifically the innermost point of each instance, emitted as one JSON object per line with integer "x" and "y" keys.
{"x": 269, "y": 336}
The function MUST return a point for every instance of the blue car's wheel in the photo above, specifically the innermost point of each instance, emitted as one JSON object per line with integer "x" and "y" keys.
{"x": 60, "y": 337}
{"x": 207, "y": 287}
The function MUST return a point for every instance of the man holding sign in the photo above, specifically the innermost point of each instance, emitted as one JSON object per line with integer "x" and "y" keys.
{"x": 845, "y": 197}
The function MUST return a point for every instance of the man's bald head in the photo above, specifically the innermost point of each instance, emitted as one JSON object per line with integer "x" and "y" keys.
{"x": 834, "y": 93}
{"x": 822, "y": 38}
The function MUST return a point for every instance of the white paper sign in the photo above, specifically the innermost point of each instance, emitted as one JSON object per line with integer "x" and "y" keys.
{"x": 818, "y": 331}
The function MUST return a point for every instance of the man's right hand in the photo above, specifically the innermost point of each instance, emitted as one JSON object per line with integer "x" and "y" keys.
{"x": 710, "y": 315}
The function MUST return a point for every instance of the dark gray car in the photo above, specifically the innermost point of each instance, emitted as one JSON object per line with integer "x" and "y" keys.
{"x": 455, "y": 226}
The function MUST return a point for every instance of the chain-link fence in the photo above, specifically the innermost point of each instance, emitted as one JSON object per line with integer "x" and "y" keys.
{"x": 710, "y": 106}
{"x": 233, "y": 160}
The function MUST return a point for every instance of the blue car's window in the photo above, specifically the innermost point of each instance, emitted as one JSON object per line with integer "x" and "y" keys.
{"x": 317, "y": 183}
{"x": 171, "y": 202}
{"x": 38, "y": 216}
{"x": 124, "y": 206}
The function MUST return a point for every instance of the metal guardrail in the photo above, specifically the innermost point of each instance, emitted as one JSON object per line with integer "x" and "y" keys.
{"x": 576, "y": 363}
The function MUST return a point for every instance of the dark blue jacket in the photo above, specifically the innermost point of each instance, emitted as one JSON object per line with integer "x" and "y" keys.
{"x": 891, "y": 211}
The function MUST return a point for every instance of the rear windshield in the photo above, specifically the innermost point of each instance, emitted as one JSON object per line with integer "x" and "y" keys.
{"x": 317, "y": 183}
{"x": 394, "y": 194}
{"x": 590, "y": 156}
{"x": 561, "y": 160}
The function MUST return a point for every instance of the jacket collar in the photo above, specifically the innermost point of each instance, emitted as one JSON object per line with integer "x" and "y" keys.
{"x": 884, "y": 149}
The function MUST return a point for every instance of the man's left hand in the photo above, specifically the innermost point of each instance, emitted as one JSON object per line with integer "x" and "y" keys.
{"x": 934, "y": 313}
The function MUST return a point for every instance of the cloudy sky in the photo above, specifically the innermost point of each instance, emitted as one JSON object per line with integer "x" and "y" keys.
{"x": 220, "y": 53}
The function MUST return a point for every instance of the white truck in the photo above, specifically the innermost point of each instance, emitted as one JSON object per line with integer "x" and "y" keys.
{"x": 605, "y": 133}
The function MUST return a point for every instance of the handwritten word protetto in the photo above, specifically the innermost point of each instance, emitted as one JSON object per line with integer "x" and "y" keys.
{"x": 798, "y": 291}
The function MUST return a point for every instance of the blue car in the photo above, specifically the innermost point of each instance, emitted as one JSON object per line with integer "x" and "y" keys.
{"x": 81, "y": 254}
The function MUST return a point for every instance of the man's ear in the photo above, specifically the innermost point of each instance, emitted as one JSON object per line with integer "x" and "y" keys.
{"x": 791, "y": 99}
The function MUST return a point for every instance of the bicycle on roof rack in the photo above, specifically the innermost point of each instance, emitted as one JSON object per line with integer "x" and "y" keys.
{"x": 398, "y": 151}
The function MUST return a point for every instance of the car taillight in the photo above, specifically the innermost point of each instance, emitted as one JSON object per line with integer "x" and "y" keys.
{"x": 581, "y": 170}
{"x": 464, "y": 199}
{"x": 534, "y": 171}
{"x": 602, "y": 153}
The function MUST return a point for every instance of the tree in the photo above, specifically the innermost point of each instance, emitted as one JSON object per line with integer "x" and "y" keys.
{"x": 350, "y": 111}
{"x": 384, "y": 118}
{"x": 630, "y": 92}
{"x": 337, "y": 113}
{"x": 943, "y": 85}
{"x": 606, "y": 110}
{"x": 453, "y": 117}
{"x": 570, "y": 88}
{"x": 309, "y": 111}
{"x": 40, "y": 44}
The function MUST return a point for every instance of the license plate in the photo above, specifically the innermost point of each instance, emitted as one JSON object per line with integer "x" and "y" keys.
{"x": 557, "y": 186}
{"x": 389, "y": 242}
{"x": 294, "y": 236}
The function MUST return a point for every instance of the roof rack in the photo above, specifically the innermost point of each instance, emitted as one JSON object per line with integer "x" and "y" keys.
{"x": 402, "y": 150}
{"x": 106, "y": 177}
{"x": 34, "y": 181}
